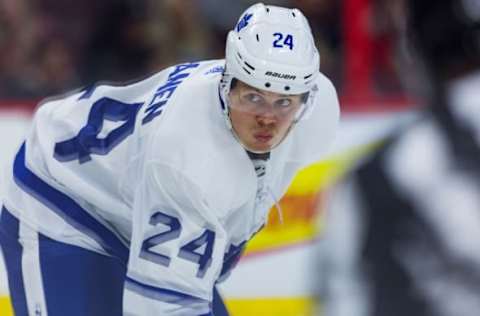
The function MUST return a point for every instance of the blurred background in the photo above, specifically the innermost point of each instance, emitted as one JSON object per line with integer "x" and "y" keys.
{"x": 49, "y": 47}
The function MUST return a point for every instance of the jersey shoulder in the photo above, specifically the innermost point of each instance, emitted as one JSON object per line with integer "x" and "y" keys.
{"x": 314, "y": 134}
{"x": 192, "y": 138}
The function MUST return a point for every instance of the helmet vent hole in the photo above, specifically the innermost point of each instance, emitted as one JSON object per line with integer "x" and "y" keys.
{"x": 293, "y": 13}
{"x": 306, "y": 77}
{"x": 240, "y": 56}
{"x": 249, "y": 66}
{"x": 268, "y": 85}
{"x": 258, "y": 38}
{"x": 246, "y": 70}
{"x": 287, "y": 88}
{"x": 268, "y": 9}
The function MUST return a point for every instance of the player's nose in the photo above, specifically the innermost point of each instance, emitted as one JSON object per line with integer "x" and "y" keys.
{"x": 267, "y": 118}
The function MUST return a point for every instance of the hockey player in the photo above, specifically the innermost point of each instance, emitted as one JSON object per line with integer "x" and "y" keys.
{"x": 138, "y": 199}
{"x": 403, "y": 232}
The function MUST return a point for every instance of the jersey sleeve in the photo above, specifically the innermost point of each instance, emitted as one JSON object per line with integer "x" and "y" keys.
{"x": 177, "y": 246}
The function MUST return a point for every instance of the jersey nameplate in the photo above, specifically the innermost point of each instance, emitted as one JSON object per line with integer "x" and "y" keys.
{"x": 163, "y": 94}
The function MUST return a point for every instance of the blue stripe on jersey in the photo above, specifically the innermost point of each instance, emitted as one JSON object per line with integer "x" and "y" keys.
{"x": 12, "y": 255}
{"x": 164, "y": 295}
{"x": 218, "y": 306}
{"x": 222, "y": 103}
{"x": 67, "y": 208}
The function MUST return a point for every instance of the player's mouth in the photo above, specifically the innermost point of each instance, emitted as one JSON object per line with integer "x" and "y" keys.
{"x": 263, "y": 137}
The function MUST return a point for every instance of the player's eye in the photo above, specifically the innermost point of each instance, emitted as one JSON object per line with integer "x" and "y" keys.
{"x": 253, "y": 98}
{"x": 283, "y": 103}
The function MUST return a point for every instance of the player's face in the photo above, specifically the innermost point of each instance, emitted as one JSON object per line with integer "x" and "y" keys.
{"x": 261, "y": 119}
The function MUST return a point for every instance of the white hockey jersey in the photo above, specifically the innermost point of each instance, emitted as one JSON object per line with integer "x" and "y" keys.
{"x": 150, "y": 173}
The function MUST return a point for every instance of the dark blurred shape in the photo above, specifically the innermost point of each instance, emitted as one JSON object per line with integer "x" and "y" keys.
{"x": 448, "y": 48}
{"x": 50, "y": 46}
{"x": 403, "y": 229}
{"x": 116, "y": 48}
{"x": 177, "y": 32}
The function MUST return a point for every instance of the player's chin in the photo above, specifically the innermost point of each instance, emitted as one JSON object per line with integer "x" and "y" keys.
{"x": 261, "y": 146}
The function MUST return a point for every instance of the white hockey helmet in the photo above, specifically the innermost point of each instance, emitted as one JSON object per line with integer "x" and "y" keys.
{"x": 272, "y": 48}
